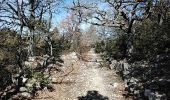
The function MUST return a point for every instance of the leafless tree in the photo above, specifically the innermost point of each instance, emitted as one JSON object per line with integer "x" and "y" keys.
{"x": 26, "y": 14}
{"x": 76, "y": 13}
{"x": 123, "y": 14}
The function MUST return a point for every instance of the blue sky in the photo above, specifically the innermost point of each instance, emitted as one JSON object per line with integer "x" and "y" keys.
{"x": 62, "y": 12}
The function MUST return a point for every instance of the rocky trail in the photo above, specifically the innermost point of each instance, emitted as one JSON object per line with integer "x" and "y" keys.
{"x": 87, "y": 81}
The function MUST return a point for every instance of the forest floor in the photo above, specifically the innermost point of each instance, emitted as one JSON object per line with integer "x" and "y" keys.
{"x": 87, "y": 81}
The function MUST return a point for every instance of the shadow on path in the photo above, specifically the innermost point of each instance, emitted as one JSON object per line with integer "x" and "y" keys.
{"x": 93, "y": 95}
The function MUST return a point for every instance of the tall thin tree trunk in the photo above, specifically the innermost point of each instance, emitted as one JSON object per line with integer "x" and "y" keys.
{"x": 19, "y": 60}
{"x": 130, "y": 39}
{"x": 51, "y": 47}
{"x": 49, "y": 26}
{"x": 31, "y": 28}
{"x": 31, "y": 43}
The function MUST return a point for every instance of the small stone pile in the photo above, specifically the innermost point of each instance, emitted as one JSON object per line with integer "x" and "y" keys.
{"x": 35, "y": 76}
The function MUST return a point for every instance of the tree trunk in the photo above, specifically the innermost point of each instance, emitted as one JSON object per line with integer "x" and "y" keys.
{"x": 49, "y": 26}
{"x": 20, "y": 48}
{"x": 130, "y": 39}
{"x": 31, "y": 43}
{"x": 51, "y": 47}
{"x": 31, "y": 27}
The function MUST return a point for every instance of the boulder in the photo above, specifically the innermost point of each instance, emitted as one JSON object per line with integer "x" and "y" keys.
{"x": 32, "y": 65}
{"x": 160, "y": 96}
{"x": 24, "y": 79}
{"x": 31, "y": 82}
{"x": 26, "y": 95}
{"x": 31, "y": 59}
{"x": 23, "y": 89}
{"x": 113, "y": 64}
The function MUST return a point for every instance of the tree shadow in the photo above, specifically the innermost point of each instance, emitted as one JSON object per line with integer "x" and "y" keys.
{"x": 93, "y": 95}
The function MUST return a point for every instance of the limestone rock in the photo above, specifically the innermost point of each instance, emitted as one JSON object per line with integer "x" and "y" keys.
{"x": 23, "y": 89}
{"x": 26, "y": 94}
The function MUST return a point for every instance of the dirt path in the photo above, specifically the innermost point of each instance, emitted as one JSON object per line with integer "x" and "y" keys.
{"x": 88, "y": 82}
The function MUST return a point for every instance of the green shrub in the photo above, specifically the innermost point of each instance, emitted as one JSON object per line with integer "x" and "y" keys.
{"x": 151, "y": 39}
{"x": 114, "y": 47}
{"x": 99, "y": 47}
{"x": 8, "y": 46}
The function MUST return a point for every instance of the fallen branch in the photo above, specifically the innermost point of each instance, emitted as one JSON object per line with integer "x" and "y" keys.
{"x": 66, "y": 74}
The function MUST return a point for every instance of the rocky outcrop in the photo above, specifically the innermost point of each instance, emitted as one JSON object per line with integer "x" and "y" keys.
{"x": 34, "y": 76}
{"x": 145, "y": 80}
